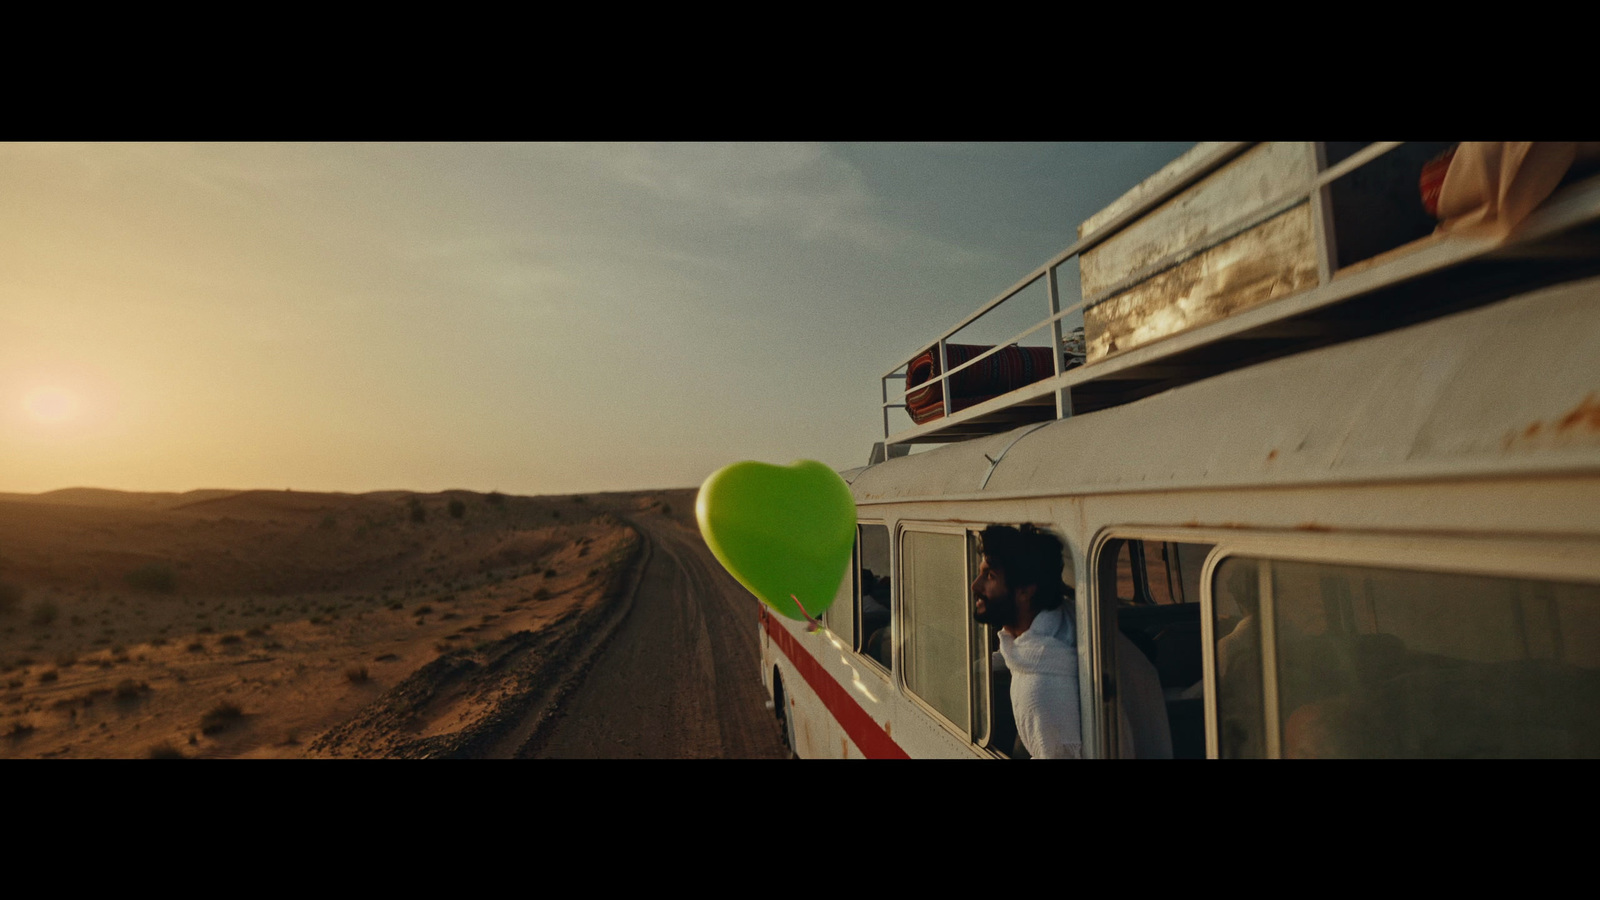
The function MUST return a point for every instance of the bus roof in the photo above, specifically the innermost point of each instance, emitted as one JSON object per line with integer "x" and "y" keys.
{"x": 1509, "y": 388}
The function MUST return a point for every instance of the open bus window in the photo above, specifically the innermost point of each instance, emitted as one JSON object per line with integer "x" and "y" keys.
{"x": 1375, "y": 662}
{"x": 1156, "y": 585}
{"x": 874, "y": 634}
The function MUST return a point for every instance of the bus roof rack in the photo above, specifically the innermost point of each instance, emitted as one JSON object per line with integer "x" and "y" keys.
{"x": 1232, "y": 255}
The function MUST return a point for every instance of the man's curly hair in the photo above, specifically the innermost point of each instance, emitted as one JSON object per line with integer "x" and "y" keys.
{"x": 1028, "y": 555}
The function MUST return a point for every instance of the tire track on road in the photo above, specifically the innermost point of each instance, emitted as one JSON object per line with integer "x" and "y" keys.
{"x": 679, "y": 679}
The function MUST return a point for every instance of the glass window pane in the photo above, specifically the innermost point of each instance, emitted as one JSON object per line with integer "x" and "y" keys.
{"x": 1237, "y": 628}
{"x": 935, "y": 592}
{"x": 874, "y": 636}
{"x": 1394, "y": 663}
{"x": 978, "y": 655}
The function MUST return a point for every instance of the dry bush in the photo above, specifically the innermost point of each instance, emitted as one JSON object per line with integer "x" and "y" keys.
{"x": 128, "y": 689}
{"x": 220, "y": 717}
{"x": 165, "y": 750}
{"x": 44, "y": 613}
{"x": 356, "y": 675}
{"x": 10, "y": 598}
{"x": 154, "y": 577}
{"x": 48, "y": 675}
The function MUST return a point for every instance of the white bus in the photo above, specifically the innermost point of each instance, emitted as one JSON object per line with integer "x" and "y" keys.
{"x": 1334, "y": 470}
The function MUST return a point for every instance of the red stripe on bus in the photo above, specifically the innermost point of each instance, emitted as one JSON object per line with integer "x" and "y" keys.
{"x": 867, "y": 734}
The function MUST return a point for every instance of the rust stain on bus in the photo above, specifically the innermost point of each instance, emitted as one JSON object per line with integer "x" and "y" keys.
{"x": 1585, "y": 416}
{"x": 1586, "y": 413}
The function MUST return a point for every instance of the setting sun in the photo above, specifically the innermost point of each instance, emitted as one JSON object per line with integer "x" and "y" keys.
{"x": 51, "y": 405}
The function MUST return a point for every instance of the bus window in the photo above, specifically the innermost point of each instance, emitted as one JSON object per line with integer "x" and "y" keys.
{"x": 1372, "y": 662}
{"x": 934, "y": 598}
{"x": 1156, "y": 586}
{"x": 874, "y": 636}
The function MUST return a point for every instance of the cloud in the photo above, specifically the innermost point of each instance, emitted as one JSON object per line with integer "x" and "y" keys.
{"x": 807, "y": 191}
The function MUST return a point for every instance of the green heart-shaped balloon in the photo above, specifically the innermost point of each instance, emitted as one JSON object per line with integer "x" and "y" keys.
{"x": 780, "y": 530}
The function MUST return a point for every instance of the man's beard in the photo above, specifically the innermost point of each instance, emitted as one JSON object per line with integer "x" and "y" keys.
{"x": 997, "y": 611}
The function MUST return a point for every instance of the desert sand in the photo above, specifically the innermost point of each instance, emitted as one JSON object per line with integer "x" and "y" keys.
{"x": 289, "y": 624}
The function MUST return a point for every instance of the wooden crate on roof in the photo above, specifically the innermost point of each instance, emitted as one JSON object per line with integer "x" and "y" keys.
{"x": 1202, "y": 255}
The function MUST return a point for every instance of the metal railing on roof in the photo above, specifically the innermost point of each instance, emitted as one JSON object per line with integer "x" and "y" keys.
{"x": 1302, "y": 192}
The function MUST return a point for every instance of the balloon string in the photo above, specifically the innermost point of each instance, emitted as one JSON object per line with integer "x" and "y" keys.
{"x": 814, "y": 623}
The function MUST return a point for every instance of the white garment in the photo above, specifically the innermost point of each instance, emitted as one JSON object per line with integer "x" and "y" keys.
{"x": 1044, "y": 693}
{"x": 1044, "y": 686}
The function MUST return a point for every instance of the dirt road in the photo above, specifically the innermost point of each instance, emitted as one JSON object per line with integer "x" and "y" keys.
{"x": 679, "y": 678}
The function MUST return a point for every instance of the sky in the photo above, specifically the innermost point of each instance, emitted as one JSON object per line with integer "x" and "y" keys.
{"x": 528, "y": 318}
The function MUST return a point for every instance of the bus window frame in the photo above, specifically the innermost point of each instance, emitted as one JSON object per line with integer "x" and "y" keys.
{"x": 968, "y": 532}
{"x": 1096, "y": 628}
{"x": 1556, "y": 558}
{"x": 858, "y": 648}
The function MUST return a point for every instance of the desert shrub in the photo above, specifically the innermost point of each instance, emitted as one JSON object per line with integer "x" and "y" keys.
{"x": 196, "y": 647}
{"x": 20, "y": 729}
{"x": 153, "y": 577}
{"x": 328, "y": 523}
{"x": 580, "y": 499}
{"x": 220, "y": 717}
{"x": 549, "y": 573}
{"x": 542, "y": 594}
{"x": 127, "y": 689}
{"x": 583, "y": 551}
{"x": 10, "y": 598}
{"x": 158, "y": 641}
{"x": 424, "y": 609}
{"x": 165, "y": 750}
{"x": 48, "y": 675}
{"x": 44, "y": 613}
{"x": 666, "y": 509}
{"x": 555, "y": 513}
{"x": 457, "y": 509}
{"x": 230, "y": 639}
{"x": 593, "y": 572}
{"x": 356, "y": 674}
{"x": 66, "y": 659}
{"x": 417, "y": 512}
{"x": 495, "y": 498}
{"x": 256, "y": 632}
